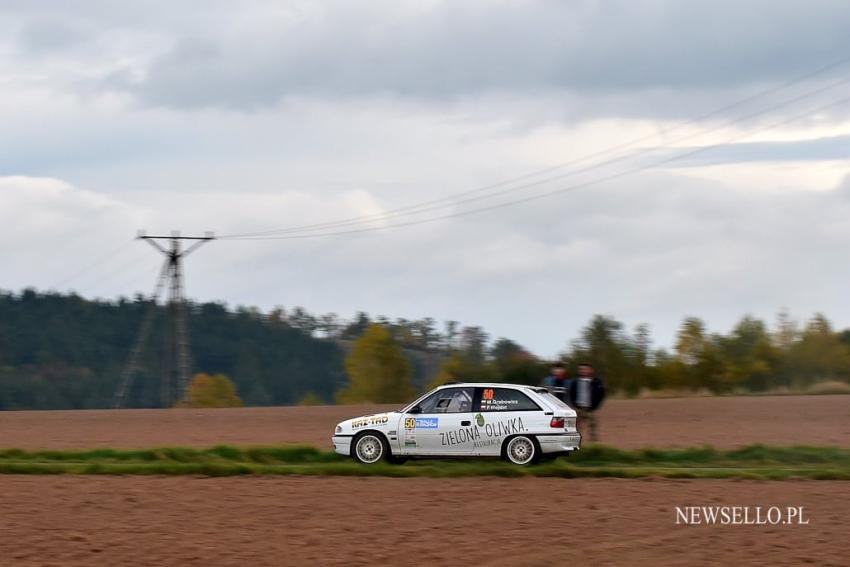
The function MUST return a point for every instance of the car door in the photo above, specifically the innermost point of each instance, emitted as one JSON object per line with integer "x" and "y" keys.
{"x": 443, "y": 426}
{"x": 501, "y": 412}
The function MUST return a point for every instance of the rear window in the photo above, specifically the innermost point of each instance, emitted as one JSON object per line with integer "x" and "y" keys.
{"x": 554, "y": 400}
{"x": 504, "y": 399}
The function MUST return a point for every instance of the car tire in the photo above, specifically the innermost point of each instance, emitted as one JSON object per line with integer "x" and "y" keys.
{"x": 369, "y": 448}
{"x": 521, "y": 450}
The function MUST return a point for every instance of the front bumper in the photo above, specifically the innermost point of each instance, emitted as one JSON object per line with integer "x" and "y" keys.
{"x": 342, "y": 445}
{"x": 561, "y": 443}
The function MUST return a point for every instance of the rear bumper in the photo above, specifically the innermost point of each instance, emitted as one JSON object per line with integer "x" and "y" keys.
{"x": 342, "y": 445}
{"x": 565, "y": 443}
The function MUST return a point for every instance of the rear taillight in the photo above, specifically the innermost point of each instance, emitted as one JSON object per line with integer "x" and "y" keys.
{"x": 557, "y": 423}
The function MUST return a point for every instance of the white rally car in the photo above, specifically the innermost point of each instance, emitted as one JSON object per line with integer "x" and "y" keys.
{"x": 521, "y": 424}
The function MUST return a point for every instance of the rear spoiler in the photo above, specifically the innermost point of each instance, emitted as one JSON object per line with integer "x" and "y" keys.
{"x": 550, "y": 390}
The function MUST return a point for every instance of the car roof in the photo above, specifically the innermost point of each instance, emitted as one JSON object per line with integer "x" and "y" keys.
{"x": 486, "y": 385}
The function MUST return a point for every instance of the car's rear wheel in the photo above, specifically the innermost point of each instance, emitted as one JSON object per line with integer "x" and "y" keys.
{"x": 521, "y": 450}
{"x": 370, "y": 448}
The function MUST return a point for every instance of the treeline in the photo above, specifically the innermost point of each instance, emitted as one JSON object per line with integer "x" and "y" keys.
{"x": 416, "y": 334}
{"x": 753, "y": 357}
{"x": 63, "y": 351}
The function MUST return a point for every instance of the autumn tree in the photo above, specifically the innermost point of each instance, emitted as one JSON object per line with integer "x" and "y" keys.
{"x": 691, "y": 341}
{"x": 473, "y": 344}
{"x": 604, "y": 345}
{"x": 377, "y": 369}
{"x": 785, "y": 335}
{"x": 459, "y": 368}
{"x": 819, "y": 354}
{"x": 750, "y": 357}
{"x": 310, "y": 399}
{"x": 357, "y": 326}
{"x": 698, "y": 356}
{"x": 467, "y": 359}
{"x": 515, "y": 365}
{"x": 216, "y": 391}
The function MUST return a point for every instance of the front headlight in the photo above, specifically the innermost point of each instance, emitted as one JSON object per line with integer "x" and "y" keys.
{"x": 339, "y": 429}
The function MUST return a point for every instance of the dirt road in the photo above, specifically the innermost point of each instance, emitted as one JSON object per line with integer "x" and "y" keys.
{"x": 117, "y": 521}
{"x": 722, "y": 422}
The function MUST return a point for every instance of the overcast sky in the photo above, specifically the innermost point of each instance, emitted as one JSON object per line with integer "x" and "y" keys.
{"x": 256, "y": 115}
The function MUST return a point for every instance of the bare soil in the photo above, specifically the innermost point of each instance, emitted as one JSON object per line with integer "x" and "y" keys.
{"x": 75, "y": 521}
{"x": 722, "y": 422}
{"x": 130, "y": 521}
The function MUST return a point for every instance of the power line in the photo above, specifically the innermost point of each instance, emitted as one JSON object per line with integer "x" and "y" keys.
{"x": 562, "y": 189}
{"x": 454, "y": 200}
{"x": 750, "y": 116}
{"x": 132, "y": 275}
{"x": 100, "y": 260}
{"x": 109, "y": 275}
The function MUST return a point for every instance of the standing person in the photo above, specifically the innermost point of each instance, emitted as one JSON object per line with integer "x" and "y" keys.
{"x": 587, "y": 392}
{"x": 557, "y": 380}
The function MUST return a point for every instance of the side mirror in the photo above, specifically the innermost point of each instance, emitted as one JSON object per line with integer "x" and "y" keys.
{"x": 415, "y": 409}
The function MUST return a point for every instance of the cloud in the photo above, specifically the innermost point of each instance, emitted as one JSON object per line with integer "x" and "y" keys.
{"x": 211, "y": 116}
{"x": 48, "y": 227}
{"x": 34, "y": 205}
{"x": 450, "y": 50}
{"x": 41, "y": 36}
{"x": 818, "y": 149}
{"x": 247, "y": 58}
{"x": 650, "y": 249}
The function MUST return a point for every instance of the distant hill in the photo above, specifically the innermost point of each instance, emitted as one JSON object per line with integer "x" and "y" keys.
{"x": 63, "y": 351}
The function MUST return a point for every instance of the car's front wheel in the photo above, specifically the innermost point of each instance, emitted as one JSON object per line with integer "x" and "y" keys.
{"x": 370, "y": 448}
{"x": 521, "y": 450}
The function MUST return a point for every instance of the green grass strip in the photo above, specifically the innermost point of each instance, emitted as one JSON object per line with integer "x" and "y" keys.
{"x": 753, "y": 462}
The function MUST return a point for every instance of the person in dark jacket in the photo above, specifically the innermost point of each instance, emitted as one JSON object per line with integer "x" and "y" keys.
{"x": 586, "y": 393}
{"x": 557, "y": 382}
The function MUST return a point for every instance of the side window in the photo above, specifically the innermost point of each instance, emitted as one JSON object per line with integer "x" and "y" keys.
{"x": 505, "y": 399}
{"x": 448, "y": 400}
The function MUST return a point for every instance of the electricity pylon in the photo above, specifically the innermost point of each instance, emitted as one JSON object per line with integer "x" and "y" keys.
{"x": 177, "y": 336}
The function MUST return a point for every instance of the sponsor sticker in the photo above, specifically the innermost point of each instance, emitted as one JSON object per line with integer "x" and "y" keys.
{"x": 373, "y": 420}
{"x": 421, "y": 422}
{"x": 427, "y": 422}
